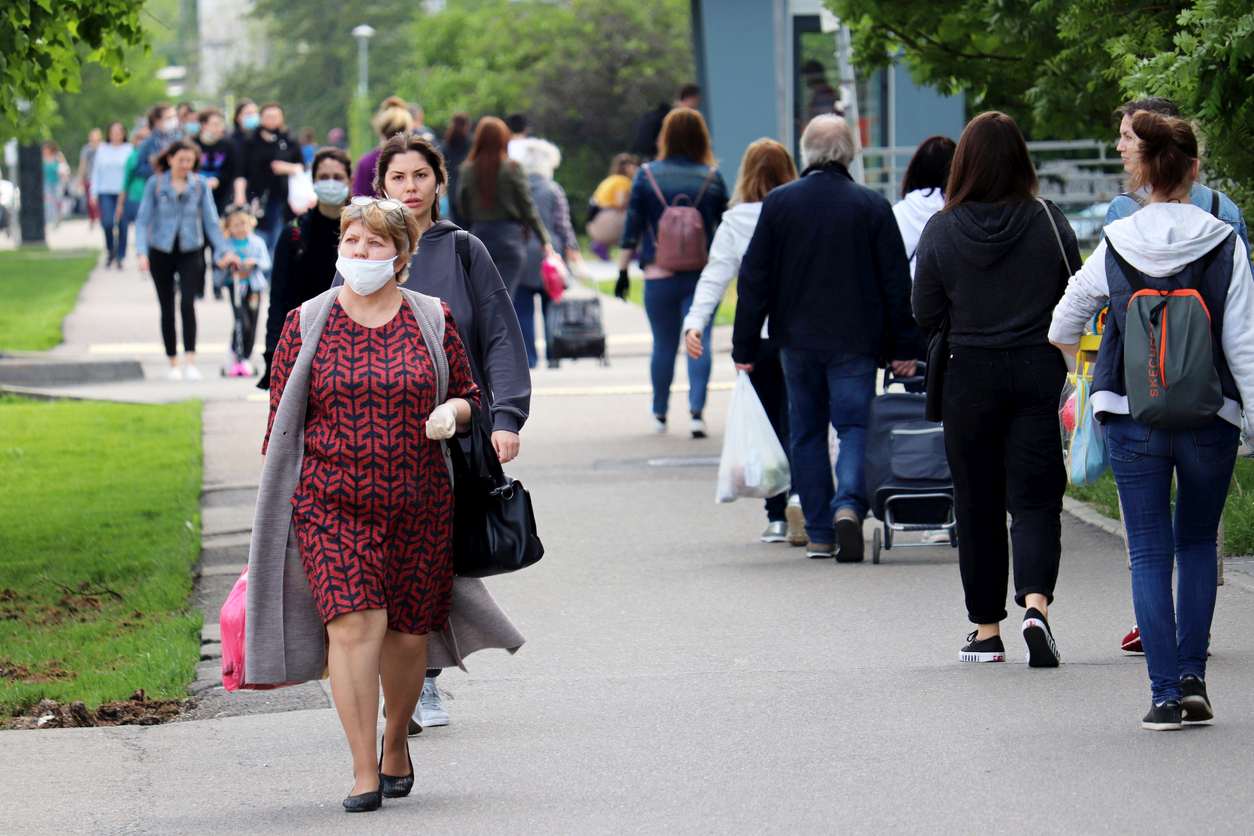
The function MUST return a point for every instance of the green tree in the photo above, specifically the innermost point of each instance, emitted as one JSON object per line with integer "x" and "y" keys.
{"x": 312, "y": 64}
{"x": 101, "y": 100}
{"x": 582, "y": 71}
{"x": 44, "y": 46}
{"x": 1062, "y": 66}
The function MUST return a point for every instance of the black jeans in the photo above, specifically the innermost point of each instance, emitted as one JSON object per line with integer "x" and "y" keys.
{"x": 1002, "y": 439}
{"x": 190, "y": 270}
{"x": 768, "y": 381}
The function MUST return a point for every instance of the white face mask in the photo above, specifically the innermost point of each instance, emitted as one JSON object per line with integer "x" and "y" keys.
{"x": 366, "y": 275}
{"x": 170, "y": 125}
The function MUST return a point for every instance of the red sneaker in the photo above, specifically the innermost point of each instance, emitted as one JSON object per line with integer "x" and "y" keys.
{"x": 1132, "y": 642}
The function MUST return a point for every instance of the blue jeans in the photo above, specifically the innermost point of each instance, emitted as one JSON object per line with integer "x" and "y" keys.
{"x": 666, "y": 301}
{"x": 1144, "y": 459}
{"x": 114, "y": 248}
{"x": 270, "y": 227}
{"x": 823, "y": 387}
{"x": 525, "y": 307}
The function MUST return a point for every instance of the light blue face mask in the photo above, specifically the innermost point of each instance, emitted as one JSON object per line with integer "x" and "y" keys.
{"x": 191, "y": 128}
{"x": 331, "y": 192}
{"x": 251, "y": 122}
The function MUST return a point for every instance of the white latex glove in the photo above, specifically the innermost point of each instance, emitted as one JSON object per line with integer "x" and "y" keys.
{"x": 442, "y": 422}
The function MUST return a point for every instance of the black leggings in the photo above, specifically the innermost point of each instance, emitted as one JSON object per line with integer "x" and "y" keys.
{"x": 768, "y": 381}
{"x": 190, "y": 269}
{"x": 245, "y": 304}
{"x": 1001, "y": 437}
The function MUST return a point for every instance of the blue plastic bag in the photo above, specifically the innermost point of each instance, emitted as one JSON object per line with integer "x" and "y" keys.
{"x": 1087, "y": 458}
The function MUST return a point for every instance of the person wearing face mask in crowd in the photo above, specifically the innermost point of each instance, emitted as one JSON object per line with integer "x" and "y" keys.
{"x": 270, "y": 157}
{"x": 218, "y": 162}
{"x": 374, "y": 534}
{"x": 245, "y": 120}
{"x": 455, "y": 266}
{"x": 187, "y": 118}
{"x": 164, "y": 129}
{"x": 304, "y": 260}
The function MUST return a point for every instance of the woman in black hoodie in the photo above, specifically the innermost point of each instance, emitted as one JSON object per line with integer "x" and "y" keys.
{"x": 991, "y": 266}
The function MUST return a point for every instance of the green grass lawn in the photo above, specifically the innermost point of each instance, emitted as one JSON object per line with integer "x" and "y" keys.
{"x": 39, "y": 288}
{"x": 99, "y": 530}
{"x": 1238, "y": 515}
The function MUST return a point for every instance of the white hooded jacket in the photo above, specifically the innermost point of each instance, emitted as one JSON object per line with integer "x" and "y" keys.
{"x": 1160, "y": 240}
{"x": 912, "y": 213}
{"x": 731, "y": 239}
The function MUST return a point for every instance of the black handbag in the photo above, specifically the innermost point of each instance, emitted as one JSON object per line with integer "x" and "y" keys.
{"x": 494, "y": 526}
{"x": 937, "y": 361}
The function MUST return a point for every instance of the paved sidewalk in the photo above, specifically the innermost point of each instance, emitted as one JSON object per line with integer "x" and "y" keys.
{"x": 681, "y": 678}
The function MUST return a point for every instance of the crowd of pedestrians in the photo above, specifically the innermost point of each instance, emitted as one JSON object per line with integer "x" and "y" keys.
{"x": 414, "y": 274}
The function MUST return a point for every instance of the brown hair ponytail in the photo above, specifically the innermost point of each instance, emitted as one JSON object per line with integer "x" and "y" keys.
{"x": 1167, "y": 150}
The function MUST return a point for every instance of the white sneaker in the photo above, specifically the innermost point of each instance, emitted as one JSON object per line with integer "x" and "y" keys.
{"x": 659, "y": 425}
{"x": 430, "y": 710}
{"x": 697, "y": 427}
{"x": 174, "y": 373}
{"x": 192, "y": 373}
{"x": 796, "y": 522}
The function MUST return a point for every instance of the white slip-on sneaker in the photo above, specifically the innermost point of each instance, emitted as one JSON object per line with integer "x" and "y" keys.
{"x": 174, "y": 373}
{"x": 697, "y": 427}
{"x": 191, "y": 373}
{"x": 796, "y": 522}
{"x": 659, "y": 425}
{"x": 431, "y": 711}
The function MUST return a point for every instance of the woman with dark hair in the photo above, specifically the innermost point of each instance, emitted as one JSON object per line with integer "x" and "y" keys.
{"x": 176, "y": 216}
{"x": 684, "y": 169}
{"x": 456, "y": 149}
{"x": 455, "y": 266}
{"x": 1169, "y": 245}
{"x": 765, "y": 165}
{"x": 923, "y": 190}
{"x": 494, "y": 201}
{"x": 304, "y": 259}
{"x": 991, "y": 267}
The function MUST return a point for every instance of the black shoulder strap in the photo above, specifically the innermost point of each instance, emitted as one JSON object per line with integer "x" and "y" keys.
{"x": 1130, "y": 273}
{"x": 1214, "y": 203}
{"x": 461, "y": 242}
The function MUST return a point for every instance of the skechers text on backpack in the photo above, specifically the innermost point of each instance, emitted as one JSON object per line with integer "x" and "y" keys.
{"x": 681, "y": 242}
{"x": 1168, "y": 350}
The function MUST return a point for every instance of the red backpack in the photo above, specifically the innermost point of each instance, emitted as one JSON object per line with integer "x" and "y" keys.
{"x": 681, "y": 243}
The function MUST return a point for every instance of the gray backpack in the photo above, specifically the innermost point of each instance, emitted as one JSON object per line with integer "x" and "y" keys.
{"x": 1168, "y": 350}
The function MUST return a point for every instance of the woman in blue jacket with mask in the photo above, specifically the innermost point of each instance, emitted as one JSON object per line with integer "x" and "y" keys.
{"x": 175, "y": 216}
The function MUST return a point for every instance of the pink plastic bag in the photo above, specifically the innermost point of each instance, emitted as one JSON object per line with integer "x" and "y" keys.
{"x": 554, "y": 274}
{"x": 231, "y": 623}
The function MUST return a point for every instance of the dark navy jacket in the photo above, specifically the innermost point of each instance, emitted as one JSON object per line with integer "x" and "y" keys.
{"x": 827, "y": 265}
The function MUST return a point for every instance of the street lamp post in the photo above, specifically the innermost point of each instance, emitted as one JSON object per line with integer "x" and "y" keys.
{"x": 363, "y": 34}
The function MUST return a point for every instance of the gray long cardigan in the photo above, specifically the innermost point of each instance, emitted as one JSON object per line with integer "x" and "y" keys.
{"x": 285, "y": 640}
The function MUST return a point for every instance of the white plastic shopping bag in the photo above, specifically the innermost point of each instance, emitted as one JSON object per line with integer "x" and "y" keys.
{"x": 300, "y": 192}
{"x": 754, "y": 463}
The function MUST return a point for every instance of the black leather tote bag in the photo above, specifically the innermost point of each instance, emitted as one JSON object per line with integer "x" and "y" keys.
{"x": 937, "y": 362}
{"x": 494, "y": 526}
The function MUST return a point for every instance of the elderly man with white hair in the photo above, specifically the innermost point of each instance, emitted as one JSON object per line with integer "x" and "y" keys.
{"x": 539, "y": 158}
{"x": 827, "y": 265}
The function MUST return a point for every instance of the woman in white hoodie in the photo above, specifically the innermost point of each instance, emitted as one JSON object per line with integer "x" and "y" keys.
{"x": 1170, "y": 245}
{"x": 765, "y": 165}
{"x": 923, "y": 190}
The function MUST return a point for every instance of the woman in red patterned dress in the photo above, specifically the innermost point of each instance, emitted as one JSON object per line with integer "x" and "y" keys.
{"x": 373, "y": 509}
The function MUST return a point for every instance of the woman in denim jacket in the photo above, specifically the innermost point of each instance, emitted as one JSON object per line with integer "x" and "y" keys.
{"x": 685, "y": 166}
{"x": 176, "y": 214}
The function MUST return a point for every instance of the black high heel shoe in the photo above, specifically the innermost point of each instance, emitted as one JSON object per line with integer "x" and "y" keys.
{"x": 366, "y": 802}
{"x": 396, "y": 786}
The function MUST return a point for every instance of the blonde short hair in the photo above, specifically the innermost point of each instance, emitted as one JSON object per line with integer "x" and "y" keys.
{"x": 399, "y": 225}
{"x": 392, "y": 118}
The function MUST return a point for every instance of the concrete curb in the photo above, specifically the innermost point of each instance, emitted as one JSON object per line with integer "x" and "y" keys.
{"x": 1085, "y": 514}
{"x": 45, "y": 372}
